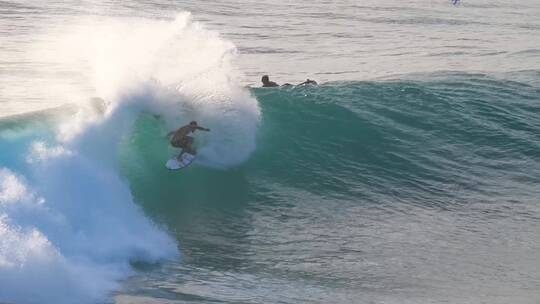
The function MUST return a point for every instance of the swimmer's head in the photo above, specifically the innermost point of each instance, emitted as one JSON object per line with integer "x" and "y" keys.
{"x": 265, "y": 79}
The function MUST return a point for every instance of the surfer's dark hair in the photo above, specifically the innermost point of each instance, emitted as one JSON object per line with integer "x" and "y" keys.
{"x": 193, "y": 123}
{"x": 265, "y": 78}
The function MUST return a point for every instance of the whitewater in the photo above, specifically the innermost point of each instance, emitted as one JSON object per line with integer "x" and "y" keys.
{"x": 410, "y": 174}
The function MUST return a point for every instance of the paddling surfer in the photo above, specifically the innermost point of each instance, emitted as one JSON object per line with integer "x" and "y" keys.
{"x": 266, "y": 83}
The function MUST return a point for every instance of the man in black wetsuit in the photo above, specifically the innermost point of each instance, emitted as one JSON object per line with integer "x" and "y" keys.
{"x": 267, "y": 83}
{"x": 270, "y": 84}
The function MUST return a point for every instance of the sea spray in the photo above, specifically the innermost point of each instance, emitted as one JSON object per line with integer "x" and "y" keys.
{"x": 176, "y": 70}
{"x": 68, "y": 221}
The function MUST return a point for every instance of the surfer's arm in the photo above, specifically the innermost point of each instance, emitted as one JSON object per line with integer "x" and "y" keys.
{"x": 308, "y": 81}
{"x": 202, "y": 129}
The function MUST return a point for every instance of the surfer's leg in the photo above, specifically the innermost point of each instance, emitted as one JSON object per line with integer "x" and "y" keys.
{"x": 182, "y": 144}
{"x": 177, "y": 143}
{"x": 189, "y": 148}
{"x": 179, "y": 156}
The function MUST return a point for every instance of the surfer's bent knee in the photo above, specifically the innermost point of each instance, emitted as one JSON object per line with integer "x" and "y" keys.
{"x": 182, "y": 143}
{"x": 178, "y": 143}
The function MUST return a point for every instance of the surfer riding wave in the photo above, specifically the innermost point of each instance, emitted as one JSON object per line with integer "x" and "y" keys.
{"x": 181, "y": 139}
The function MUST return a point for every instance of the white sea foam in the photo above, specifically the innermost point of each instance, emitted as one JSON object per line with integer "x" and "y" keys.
{"x": 68, "y": 223}
{"x": 178, "y": 70}
{"x": 75, "y": 239}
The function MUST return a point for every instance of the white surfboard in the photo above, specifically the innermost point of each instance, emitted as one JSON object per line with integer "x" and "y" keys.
{"x": 176, "y": 164}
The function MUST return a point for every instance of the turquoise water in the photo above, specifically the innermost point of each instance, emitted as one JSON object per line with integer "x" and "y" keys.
{"x": 358, "y": 191}
{"x": 411, "y": 174}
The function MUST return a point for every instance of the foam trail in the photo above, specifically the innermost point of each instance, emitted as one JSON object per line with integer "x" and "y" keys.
{"x": 68, "y": 224}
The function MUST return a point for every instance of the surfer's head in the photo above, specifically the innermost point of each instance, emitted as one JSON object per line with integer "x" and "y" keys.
{"x": 265, "y": 79}
{"x": 193, "y": 123}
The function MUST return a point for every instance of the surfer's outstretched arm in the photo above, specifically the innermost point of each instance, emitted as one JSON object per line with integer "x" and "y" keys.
{"x": 308, "y": 81}
{"x": 202, "y": 129}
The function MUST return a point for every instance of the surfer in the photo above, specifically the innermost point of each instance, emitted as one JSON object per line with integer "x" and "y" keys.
{"x": 182, "y": 140}
{"x": 308, "y": 81}
{"x": 266, "y": 83}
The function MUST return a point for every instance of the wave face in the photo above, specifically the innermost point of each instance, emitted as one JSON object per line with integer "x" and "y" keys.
{"x": 379, "y": 190}
{"x": 436, "y": 139}
{"x": 354, "y": 190}
{"x": 69, "y": 227}
{"x": 447, "y": 136}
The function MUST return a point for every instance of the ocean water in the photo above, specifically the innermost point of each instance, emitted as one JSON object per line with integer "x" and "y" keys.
{"x": 410, "y": 174}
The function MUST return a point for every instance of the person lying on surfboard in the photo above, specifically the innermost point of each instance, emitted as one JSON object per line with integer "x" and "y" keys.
{"x": 182, "y": 140}
{"x": 266, "y": 83}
